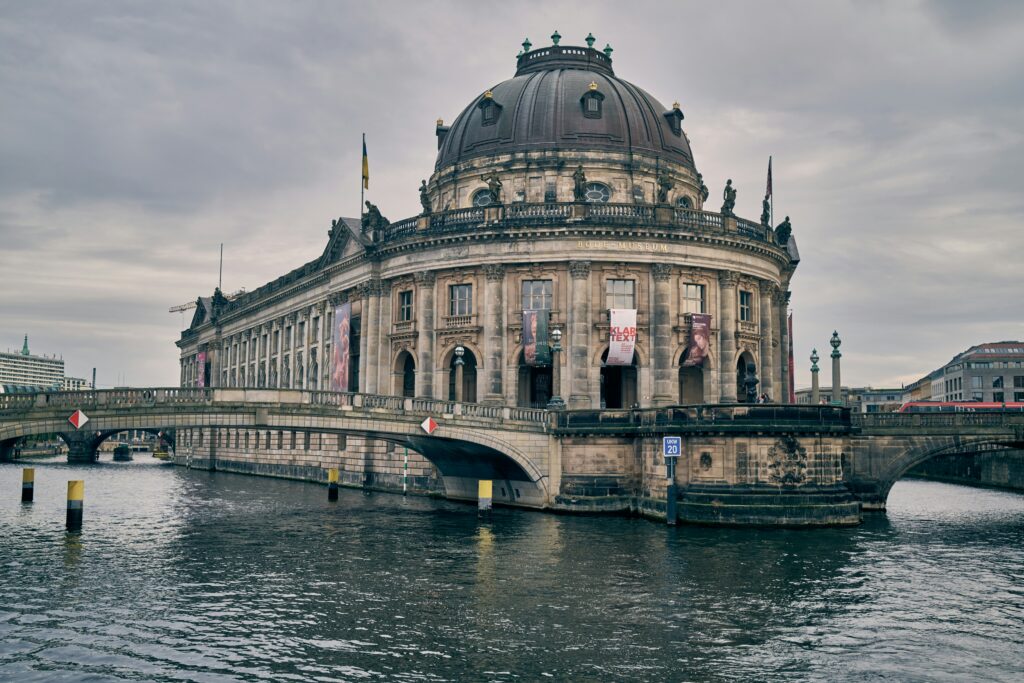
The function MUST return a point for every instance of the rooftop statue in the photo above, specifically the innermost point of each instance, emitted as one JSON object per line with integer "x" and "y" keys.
{"x": 765, "y": 212}
{"x": 783, "y": 232}
{"x": 372, "y": 220}
{"x": 579, "y": 185}
{"x": 729, "y": 195}
{"x": 704, "y": 191}
{"x": 664, "y": 185}
{"x": 494, "y": 185}
{"x": 424, "y": 198}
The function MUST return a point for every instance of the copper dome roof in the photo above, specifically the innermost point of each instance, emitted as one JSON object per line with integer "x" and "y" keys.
{"x": 543, "y": 108}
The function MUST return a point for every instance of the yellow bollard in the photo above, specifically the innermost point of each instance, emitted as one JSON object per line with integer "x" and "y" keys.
{"x": 332, "y": 484}
{"x": 484, "y": 491}
{"x": 76, "y": 498}
{"x": 28, "y": 484}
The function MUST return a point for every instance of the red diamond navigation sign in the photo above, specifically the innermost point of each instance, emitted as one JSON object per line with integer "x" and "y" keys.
{"x": 428, "y": 425}
{"x": 78, "y": 418}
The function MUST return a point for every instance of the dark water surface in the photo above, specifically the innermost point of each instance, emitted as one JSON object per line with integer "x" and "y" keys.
{"x": 192, "y": 576}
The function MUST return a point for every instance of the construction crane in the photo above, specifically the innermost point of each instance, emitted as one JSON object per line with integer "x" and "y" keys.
{"x": 181, "y": 309}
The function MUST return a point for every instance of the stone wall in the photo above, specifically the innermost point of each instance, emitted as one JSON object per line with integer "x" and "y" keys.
{"x": 1001, "y": 469}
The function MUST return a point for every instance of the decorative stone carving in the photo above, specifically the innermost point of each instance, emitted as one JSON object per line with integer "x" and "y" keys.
{"x": 661, "y": 271}
{"x": 664, "y": 185}
{"x": 494, "y": 186}
{"x": 372, "y": 219}
{"x": 579, "y": 270}
{"x": 728, "y": 278}
{"x": 729, "y": 197}
{"x": 704, "y": 191}
{"x": 424, "y": 198}
{"x": 783, "y": 231}
{"x": 384, "y": 287}
{"x": 494, "y": 272}
{"x": 425, "y": 278}
{"x": 787, "y": 461}
{"x": 579, "y": 184}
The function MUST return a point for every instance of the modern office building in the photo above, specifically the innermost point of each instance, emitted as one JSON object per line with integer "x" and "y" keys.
{"x": 990, "y": 372}
{"x": 24, "y": 369}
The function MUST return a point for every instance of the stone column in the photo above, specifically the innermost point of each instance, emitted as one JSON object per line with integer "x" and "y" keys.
{"x": 727, "y": 335}
{"x": 579, "y": 336}
{"x": 383, "y": 371}
{"x": 782, "y": 302}
{"x": 425, "y": 339}
{"x": 815, "y": 387}
{"x": 494, "y": 333}
{"x": 661, "y": 337}
{"x": 837, "y": 383}
{"x": 767, "y": 352}
{"x": 371, "y": 330}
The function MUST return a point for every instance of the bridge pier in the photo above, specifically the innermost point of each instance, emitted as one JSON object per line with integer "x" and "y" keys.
{"x": 82, "y": 446}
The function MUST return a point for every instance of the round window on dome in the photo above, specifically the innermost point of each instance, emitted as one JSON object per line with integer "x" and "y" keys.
{"x": 597, "y": 193}
{"x": 482, "y": 198}
{"x": 684, "y": 202}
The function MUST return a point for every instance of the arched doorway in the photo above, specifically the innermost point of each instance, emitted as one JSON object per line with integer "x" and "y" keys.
{"x": 691, "y": 382}
{"x": 618, "y": 384}
{"x": 404, "y": 374}
{"x": 745, "y": 367}
{"x": 534, "y": 385}
{"x": 468, "y": 378}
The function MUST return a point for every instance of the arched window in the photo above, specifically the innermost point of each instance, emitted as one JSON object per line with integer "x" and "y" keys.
{"x": 592, "y": 102}
{"x": 483, "y": 198}
{"x": 489, "y": 109}
{"x": 684, "y": 202}
{"x": 597, "y": 193}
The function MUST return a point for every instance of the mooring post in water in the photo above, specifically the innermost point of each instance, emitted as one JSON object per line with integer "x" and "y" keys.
{"x": 28, "y": 484}
{"x": 483, "y": 498}
{"x": 76, "y": 498}
{"x": 332, "y": 484}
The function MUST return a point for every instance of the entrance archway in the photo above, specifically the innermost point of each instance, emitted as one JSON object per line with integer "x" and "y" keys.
{"x": 618, "y": 384}
{"x": 691, "y": 382}
{"x": 404, "y": 375}
{"x": 744, "y": 366}
{"x": 534, "y": 385}
{"x": 468, "y": 378}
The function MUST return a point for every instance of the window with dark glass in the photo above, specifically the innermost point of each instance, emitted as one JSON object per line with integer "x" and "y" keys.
{"x": 998, "y": 396}
{"x": 405, "y": 306}
{"x": 597, "y": 193}
{"x": 355, "y": 337}
{"x": 483, "y": 198}
{"x": 997, "y": 382}
{"x": 620, "y": 294}
{"x": 693, "y": 298}
{"x": 460, "y": 299}
{"x": 746, "y": 311}
{"x": 536, "y": 295}
{"x": 684, "y": 202}
{"x": 1018, "y": 381}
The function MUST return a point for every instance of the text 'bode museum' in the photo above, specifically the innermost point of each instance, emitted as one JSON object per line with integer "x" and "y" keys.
{"x": 569, "y": 253}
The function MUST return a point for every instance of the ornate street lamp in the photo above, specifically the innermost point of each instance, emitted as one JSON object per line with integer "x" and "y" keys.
{"x": 815, "y": 390}
{"x": 837, "y": 398}
{"x": 460, "y": 351}
{"x": 556, "y": 402}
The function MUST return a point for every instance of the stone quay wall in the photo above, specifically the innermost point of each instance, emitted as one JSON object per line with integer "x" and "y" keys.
{"x": 998, "y": 469}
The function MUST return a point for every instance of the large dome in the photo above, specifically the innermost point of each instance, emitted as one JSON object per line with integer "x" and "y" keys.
{"x": 547, "y": 106}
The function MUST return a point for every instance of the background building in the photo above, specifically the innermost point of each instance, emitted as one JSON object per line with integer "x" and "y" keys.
{"x": 24, "y": 369}
{"x": 990, "y": 372}
{"x": 859, "y": 399}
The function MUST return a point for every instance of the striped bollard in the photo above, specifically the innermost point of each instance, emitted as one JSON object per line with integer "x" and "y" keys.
{"x": 332, "y": 484}
{"x": 76, "y": 497}
{"x": 28, "y": 484}
{"x": 483, "y": 497}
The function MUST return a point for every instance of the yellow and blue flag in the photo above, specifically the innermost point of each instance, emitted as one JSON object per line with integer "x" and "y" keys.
{"x": 366, "y": 166}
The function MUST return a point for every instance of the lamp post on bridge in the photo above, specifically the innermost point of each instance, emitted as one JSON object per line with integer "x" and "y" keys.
{"x": 837, "y": 398}
{"x": 556, "y": 402}
{"x": 815, "y": 390}
{"x": 460, "y": 351}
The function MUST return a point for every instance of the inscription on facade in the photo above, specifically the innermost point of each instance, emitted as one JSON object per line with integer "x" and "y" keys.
{"x": 622, "y": 245}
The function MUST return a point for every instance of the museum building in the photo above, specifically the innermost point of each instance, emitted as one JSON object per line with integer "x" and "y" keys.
{"x": 563, "y": 192}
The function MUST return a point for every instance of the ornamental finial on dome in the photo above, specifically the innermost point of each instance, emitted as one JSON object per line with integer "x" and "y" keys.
{"x": 527, "y": 45}
{"x": 440, "y": 122}
{"x": 593, "y": 85}
{"x": 488, "y": 95}
{"x": 555, "y": 37}
{"x": 675, "y": 105}
{"x": 608, "y": 50}
{"x": 590, "y": 40}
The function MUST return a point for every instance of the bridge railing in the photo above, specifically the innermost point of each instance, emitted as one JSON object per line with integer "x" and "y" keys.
{"x": 937, "y": 420}
{"x": 714, "y": 415}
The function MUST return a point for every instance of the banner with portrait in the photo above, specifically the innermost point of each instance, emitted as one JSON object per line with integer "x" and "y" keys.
{"x": 621, "y": 336}
{"x": 536, "y": 350}
{"x": 340, "y": 352}
{"x": 700, "y": 340}
{"x": 201, "y": 369}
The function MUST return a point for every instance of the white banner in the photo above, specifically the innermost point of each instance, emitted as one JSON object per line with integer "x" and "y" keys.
{"x": 621, "y": 336}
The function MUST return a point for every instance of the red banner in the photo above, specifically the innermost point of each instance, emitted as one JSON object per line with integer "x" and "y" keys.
{"x": 340, "y": 336}
{"x": 700, "y": 339}
{"x": 621, "y": 336}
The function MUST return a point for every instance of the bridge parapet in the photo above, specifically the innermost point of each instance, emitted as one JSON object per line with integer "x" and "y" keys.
{"x": 953, "y": 422}
{"x": 729, "y": 417}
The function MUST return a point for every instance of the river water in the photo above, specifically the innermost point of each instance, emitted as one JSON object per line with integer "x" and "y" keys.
{"x": 195, "y": 576}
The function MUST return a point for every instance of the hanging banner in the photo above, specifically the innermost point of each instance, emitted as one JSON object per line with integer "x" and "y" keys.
{"x": 621, "y": 336}
{"x": 201, "y": 369}
{"x": 340, "y": 339}
{"x": 700, "y": 339}
{"x": 536, "y": 351}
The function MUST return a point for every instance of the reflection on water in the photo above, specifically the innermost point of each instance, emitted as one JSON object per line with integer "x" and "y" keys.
{"x": 183, "y": 575}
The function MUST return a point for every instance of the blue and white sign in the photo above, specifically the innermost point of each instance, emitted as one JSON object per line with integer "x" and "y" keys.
{"x": 672, "y": 446}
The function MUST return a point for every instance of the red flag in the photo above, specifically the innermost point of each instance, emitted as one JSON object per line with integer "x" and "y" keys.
{"x": 768, "y": 190}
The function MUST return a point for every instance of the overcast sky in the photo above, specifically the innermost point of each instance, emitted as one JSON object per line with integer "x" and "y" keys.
{"x": 136, "y": 137}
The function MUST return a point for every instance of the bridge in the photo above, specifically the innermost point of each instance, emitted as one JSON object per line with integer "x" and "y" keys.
{"x": 801, "y": 464}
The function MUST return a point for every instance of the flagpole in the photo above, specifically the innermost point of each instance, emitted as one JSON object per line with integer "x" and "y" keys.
{"x": 362, "y": 182}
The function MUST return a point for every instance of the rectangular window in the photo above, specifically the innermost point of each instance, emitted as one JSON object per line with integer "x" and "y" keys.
{"x": 461, "y": 299}
{"x": 1018, "y": 397}
{"x": 620, "y": 294}
{"x": 316, "y": 329}
{"x": 405, "y": 306}
{"x": 550, "y": 193}
{"x": 693, "y": 298}
{"x": 287, "y": 338}
{"x": 301, "y": 341}
{"x": 592, "y": 104}
{"x": 997, "y": 396}
{"x": 342, "y": 442}
{"x": 536, "y": 295}
{"x": 277, "y": 342}
{"x": 746, "y": 311}
{"x": 977, "y": 396}
{"x": 997, "y": 382}
{"x": 976, "y": 382}
{"x": 1018, "y": 381}
{"x": 355, "y": 334}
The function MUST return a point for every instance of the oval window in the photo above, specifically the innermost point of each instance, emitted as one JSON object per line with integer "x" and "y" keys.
{"x": 482, "y": 198}
{"x": 597, "y": 193}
